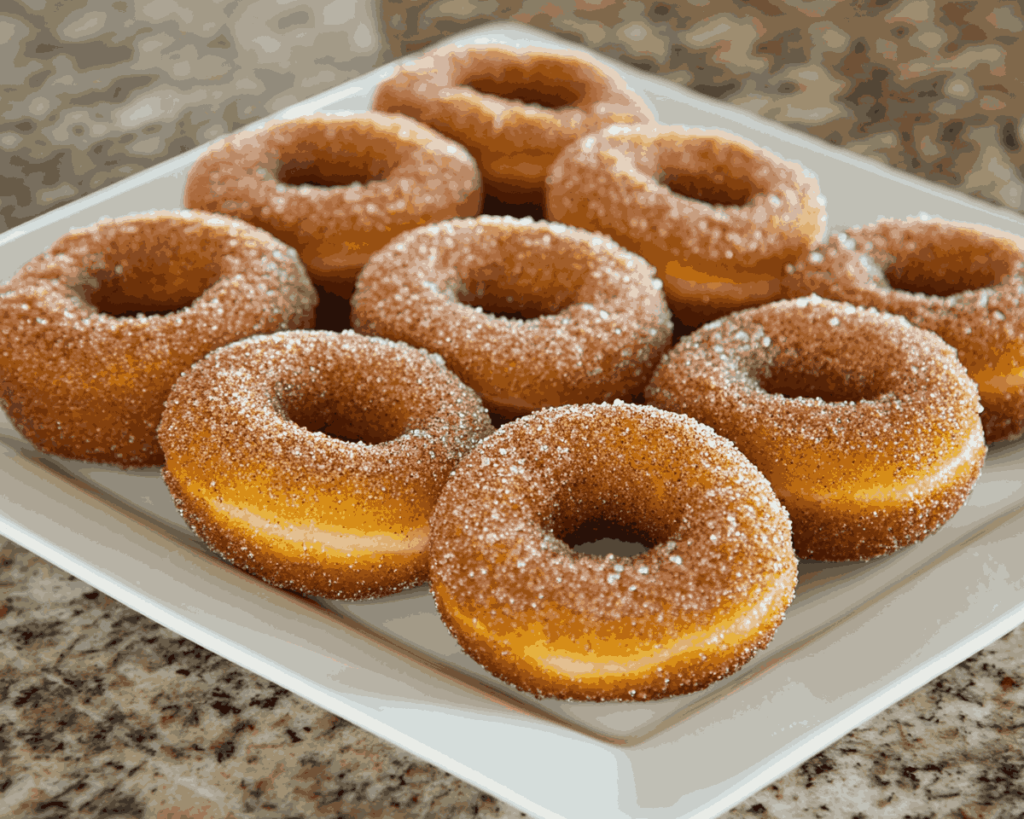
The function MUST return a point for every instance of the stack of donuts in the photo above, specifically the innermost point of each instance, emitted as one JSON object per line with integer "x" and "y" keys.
{"x": 509, "y": 388}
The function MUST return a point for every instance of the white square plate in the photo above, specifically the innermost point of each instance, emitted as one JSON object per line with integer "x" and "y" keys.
{"x": 857, "y": 638}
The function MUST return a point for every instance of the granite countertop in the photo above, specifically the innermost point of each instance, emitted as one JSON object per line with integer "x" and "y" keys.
{"x": 105, "y": 713}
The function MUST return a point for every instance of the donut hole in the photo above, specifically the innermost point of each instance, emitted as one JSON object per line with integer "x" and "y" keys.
{"x": 704, "y": 169}
{"x": 349, "y": 408}
{"x": 548, "y": 92}
{"x": 828, "y": 378}
{"x": 329, "y": 170}
{"x": 139, "y": 287}
{"x": 358, "y": 427}
{"x": 356, "y": 431}
{"x": 601, "y": 538}
{"x": 945, "y": 271}
{"x": 710, "y": 187}
{"x": 522, "y": 291}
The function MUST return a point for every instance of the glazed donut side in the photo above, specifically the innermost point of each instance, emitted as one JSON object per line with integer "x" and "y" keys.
{"x": 963, "y": 282}
{"x": 313, "y": 459}
{"x": 336, "y": 187}
{"x": 718, "y": 216}
{"x": 515, "y": 109}
{"x": 589, "y": 321}
{"x": 95, "y": 331}
{"x": 693, "y": 608}
{"x": 866, "y": 426}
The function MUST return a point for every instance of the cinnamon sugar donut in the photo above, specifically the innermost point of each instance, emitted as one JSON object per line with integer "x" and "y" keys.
{"x": 692, "y": 609}
{"x": 95, "y": 331}
{"x": 964, "y": 282}
{"x": 866, "y": 426}
{"x": 583, "y": 321}
{"x": 717, "y": 216}
{"x": 336, "y": 187}
{"x": 515, "y": 109}
{"x": 313, "y": 459}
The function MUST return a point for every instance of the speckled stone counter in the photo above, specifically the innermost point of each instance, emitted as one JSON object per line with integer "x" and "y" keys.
{"x": 105, "y": 713}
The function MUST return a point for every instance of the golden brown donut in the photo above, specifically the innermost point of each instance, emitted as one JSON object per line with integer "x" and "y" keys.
{"x": 313, "y": 459}
{"x": 866, "y": 426}
{"x": 515, "y": 109}
{"x": 717, "y": 216}
{"x": 709, "y": 592}
{"x": 528, "y": 314}
{"x": 963, "y": 282}
{"x": 336, "y": 187}
{"x": 95, "y": 331}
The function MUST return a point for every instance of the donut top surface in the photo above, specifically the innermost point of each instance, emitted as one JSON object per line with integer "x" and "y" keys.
{"x": 963, "y": 282}
{"x": 324, "y": 404}
{"x": 715, "y": 528}
{"x": 337, "y": 187}
{"x": 866, "y": 405}
{"x": 688, "y": 193}
{"x": 529, "y": 314}
{"x": 532, "y": 86}
{"x": 115, "y": 312}
{"x": 513, "y": 108}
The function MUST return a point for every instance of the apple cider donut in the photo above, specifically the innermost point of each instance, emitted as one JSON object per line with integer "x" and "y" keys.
{"x": 963, "y": 282}
{"x": 96, "y": 330}
{"x": 693, "y": 608}
{"x": 336, "y": 187}
{"x": 866, "y": 426}
{"x": 515, "y": 109}
{"x": 313, "y": 459}
{"x": 717, "y": 216}
{"x": 529, "y": 314}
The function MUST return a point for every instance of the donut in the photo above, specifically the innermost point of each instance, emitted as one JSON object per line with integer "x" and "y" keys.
{"x": 336, "y": 187}
{"x": 961, "y": 281}
{"x": 717, "y": 216}
{"x": 515, "y": 109}
{"x": 866, "y": 426}
{"x": 528, "y": 314}
{"x": 313, "y": 460}
{"x": 708, "y": 592}
{"x": 96, "y": 330}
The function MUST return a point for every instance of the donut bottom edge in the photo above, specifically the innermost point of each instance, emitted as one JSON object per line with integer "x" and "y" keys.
{"x": 298, "y": 568}
{"x": 840, "y": 535}
{"x": 524, "y": 658}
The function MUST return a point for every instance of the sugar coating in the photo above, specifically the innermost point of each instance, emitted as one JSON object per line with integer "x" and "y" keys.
{"x": 258, "y": 461}
{"x": 473, "y": 95}
{"x": 961, "y": 281}
{"x": 600, "y": 322}
{"x": 88, "y": 384}
{"x": 866, "y": 426}
{"x": 416, "y": 177}
{"x": 713, "y": 258}
{"x": 554, "y": 622}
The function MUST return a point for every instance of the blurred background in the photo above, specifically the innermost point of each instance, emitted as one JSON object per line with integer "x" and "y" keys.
{"x": 92, "y": 91}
